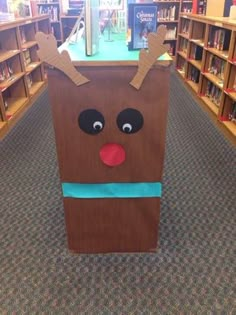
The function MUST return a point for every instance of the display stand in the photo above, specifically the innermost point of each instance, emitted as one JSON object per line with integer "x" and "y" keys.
{"x": 110, "y": 139}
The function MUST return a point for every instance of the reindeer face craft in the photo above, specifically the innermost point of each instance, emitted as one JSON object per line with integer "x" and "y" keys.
{"x": 128, "y": 121}
{"x": 110, "y": 135}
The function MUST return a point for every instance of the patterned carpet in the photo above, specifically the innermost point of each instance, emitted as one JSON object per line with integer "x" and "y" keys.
{"x": 194, "y": 270}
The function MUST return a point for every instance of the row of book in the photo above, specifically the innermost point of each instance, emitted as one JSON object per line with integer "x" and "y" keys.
{"x": 185, "y": 26}
{"x": 166, "y": 14}
{"x": 26, "y": 57}
{"x": 5, "y": 103}
{"x": 23, "y": 35}
{"x": 53, "y": 12}
{"x": 186, "y": 9}
{"x": 171, "y": 50}
{"x": 183, "y": 45}
{"x": 219, "y": 39}
{"x": 182, "y": 66}
{"x": 6, "y": 71}
{"x": 29, "y": 80}
{"x": 214, "y": 93}
{"x": 232, "y": 114}
{"x": 202, "y": 5}
{"x": 217, "y": 66}
{"x": 194, "y": 74}
{"x": 196, "y": 52}
{"x": 171, "y": 33}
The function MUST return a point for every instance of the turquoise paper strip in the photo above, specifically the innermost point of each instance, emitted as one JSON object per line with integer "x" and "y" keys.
{"x": 112, "y": 190}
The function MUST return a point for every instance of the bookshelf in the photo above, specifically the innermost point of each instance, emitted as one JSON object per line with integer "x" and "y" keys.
{"x": 186, "y": 6}
{"x": 53, "y": 9}
{"x": 206, "y": 61}
{"x": 201, "y": 7}
{"x": 21, "y": 72}
{"x": 168, "y": 14}
{"x": 67, "y": 19}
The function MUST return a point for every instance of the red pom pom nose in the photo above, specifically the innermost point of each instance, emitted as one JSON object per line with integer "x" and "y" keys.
{"x": 112, "y": 154}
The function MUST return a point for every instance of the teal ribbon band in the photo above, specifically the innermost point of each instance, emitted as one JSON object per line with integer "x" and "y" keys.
{"x": 112, "y": 190}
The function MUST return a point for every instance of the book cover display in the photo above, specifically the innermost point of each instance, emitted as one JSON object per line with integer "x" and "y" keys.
{"x": 142, "y": 20}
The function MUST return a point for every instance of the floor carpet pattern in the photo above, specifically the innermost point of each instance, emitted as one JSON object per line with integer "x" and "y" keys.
{"x": 194, "y": 270}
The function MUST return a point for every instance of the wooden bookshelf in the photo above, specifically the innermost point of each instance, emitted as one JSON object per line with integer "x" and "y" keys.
{"x": 54, "y": 10}
{"x": 21, "y": 73}
{"x": 168, "y": 14}
{"x": 61, "y": 24}
{"x": 205, "y": 60}
{"x": 186, "y": 6}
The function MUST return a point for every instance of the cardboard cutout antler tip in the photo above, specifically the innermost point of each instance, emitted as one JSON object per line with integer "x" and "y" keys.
{"x": 49, "y": 53}
{"x": 147, "y": 58}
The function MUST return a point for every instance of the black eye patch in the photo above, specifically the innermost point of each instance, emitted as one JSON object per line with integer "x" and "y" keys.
{"x": 129, "y": 120}
{"x": 91, "y": 121}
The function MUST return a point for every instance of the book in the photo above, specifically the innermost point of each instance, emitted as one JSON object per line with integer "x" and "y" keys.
{"x": 22, "y": 35}
{"x": 2, "y": 75}
{"x": 194, "y": 75}
{"x": 112, "y": 4}
{"x": 91, "y": 27}
{"x": 196, "y": 52}
{"x": 166, "y": 14}
{"x": 142, "y": 20}
{"x": 232, "y": 114}
{"x": 214, "y": 93}
{"x": 6, "y": 71}
{"x": 52, "y": 11}
{"x": 201, "y": 9}
{"x": 219, "y": 38}
{"x": 171, "y": 33}
{"x": 217, "y": 66}
{"x": 195, "y": 6}
{"x": 29, "y": 80}
{"x": 185, "y": 27}
{"x": 26, "y": 57}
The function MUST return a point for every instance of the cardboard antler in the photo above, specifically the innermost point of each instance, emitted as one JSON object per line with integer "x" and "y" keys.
{"x": 48, "y": 53}
{"x": 148, "y": 57}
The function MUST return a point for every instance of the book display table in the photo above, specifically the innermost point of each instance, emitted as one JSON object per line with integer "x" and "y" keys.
{"x": 110, "y": 114}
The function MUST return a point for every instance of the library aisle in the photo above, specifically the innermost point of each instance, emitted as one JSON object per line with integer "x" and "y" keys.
{"x": 194, "y": 267}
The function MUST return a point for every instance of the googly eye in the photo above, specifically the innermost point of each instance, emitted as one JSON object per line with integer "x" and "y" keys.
{"x": 129, "y": 120}
{"x": 97, "y": 125}
{"x": 127, "y": 128}
{"x": 91, "y": 121}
